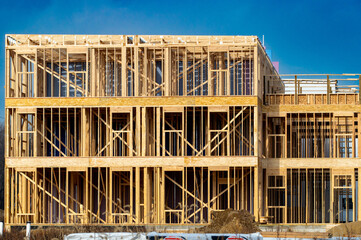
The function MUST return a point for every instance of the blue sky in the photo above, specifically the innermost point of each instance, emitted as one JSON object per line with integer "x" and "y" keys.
{"x": 304, "y": 36}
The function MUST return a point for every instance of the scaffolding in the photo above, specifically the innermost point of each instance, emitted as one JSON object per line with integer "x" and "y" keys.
{"x": 168, "y": 129}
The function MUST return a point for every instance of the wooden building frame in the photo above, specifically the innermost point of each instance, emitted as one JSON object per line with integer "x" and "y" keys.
{"x": 132, "y": 130}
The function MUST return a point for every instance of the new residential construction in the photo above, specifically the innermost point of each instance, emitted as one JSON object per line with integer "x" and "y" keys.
{"x": 120, "y": 129}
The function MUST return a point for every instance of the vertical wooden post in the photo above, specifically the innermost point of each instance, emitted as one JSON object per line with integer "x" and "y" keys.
{"x": 332, "y": 219}
{"x": 36, "y": 144}
{"x": 131, "y": 134}
{"x": 162, "y": 194}
{"x": 185, "y": 72}
{"x": 183, "y": 207}
{"x": 146, "y": 196}
{"x": 124, "y": 71}
{"x": 93, "y": 72}
{"x": 158, "y": 128}
{"x": 109, "y": 195}
{"x": 66, "y": 193}
{"x": 256, "y": 169}
{"x": 7, "y": 73}
{"x": 210, "y": 80}
{"x": 84, "y": 133}
{"x": 285, "y": 153}
{"x": 221, "y": 86}
{"x": 144, "y": 132}
{"x": 145, "y": 72}
{"x": 136, "y": 72}
{"x": 167, "y": 71}
{"x": 111, "y": 134}
{"x": 86, "y": 183}
{"x": 67, "y": 75}
{"x": 35, "y": 78}
{"x": 296, "y": 90}
{"x": 256, "y": 193}
{"x": 255, "y": 70}
{"x": 137, "y": 131}
{"x": 137, "y": 195}
{"x": 328, "y": 90}
{"x": 229, "y": 74}
{"x": 7, "y": 185}
{"x": 359, "y": 89}
{"x": 256, "y": 131}
{"x": 8, "y": 125}
{"x": 131, "y": 195}
{"x": 16, "y": 68}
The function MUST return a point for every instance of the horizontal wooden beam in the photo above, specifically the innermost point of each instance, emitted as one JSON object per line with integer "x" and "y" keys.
{"x": 26, "y": 162}
{"x": 133, "y": 101}
{"x": 31, "y": 40}
{"x": 317, "y": 108}
{"x": 278, "y": 163}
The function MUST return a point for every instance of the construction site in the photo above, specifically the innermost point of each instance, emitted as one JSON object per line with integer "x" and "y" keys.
{"x": 146, "y": 129}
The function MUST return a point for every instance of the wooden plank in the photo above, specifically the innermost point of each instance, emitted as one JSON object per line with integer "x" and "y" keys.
{"x": 124, "y": 71}
{"x": 336, "y": 163}
{"x": 149, "y": 102}
{"x": 30, "y": 162}
{"x": 174, "y": 109}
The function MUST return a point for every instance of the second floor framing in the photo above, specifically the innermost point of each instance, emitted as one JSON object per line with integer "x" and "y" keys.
{"x": 141, "y": 67}
{"x": 131, "y": 131}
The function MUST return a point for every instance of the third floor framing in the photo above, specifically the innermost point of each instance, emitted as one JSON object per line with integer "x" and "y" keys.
{"x": 124, "y": 66}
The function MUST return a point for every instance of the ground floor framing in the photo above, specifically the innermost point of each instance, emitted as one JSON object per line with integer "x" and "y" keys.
{"x": 180, "y": 190}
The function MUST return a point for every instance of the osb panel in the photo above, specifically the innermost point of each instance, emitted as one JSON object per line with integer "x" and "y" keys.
{"x": 278, "y": 99}
{"x": 303, "y": 99}
{"x": 272, "y": 99}
{"x": 351, "y": 98}
{"x": 288, "y": 99}
{"x": 333, "y": 99}
{"x": 314, "y": 108}
{"x": 324, "y": 97}
{"x": 310, "y": 99}
{"x": 319, "y": 99}
{"x": 342, "y": 99}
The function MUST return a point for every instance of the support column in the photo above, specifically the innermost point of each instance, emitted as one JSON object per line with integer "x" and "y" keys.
{"x": 255, "y": 71}
{"x": 35, "y": 79}
{"x": 256, "y": 169}
{"x": 210, "y": 80}
{"x": 146, "y": 196}
{"x": 93, "y": 73}
{"x": 256, "y": 189}
{"x": 84, "y": 132}
{"x": 144, "y": 132}
{"x": 158, "y": 127}
{"x": 137, "y": 195}
{"x": 7, "y": 73}
{"x": 136, "y": 72}
{"x": 256, "y": 130}
{"x": 7, "y": 195}
{"x": 124, "y": 71}
{"x": 137, "y": 131}
{"x": 167, "y": 71}
{"x": 162, "y": 194}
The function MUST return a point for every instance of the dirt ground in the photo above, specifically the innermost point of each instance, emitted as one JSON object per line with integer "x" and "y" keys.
{"x": 231, "y": 221}
{"x": 346, "y": 230}
{"x": 58, "y": 233}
